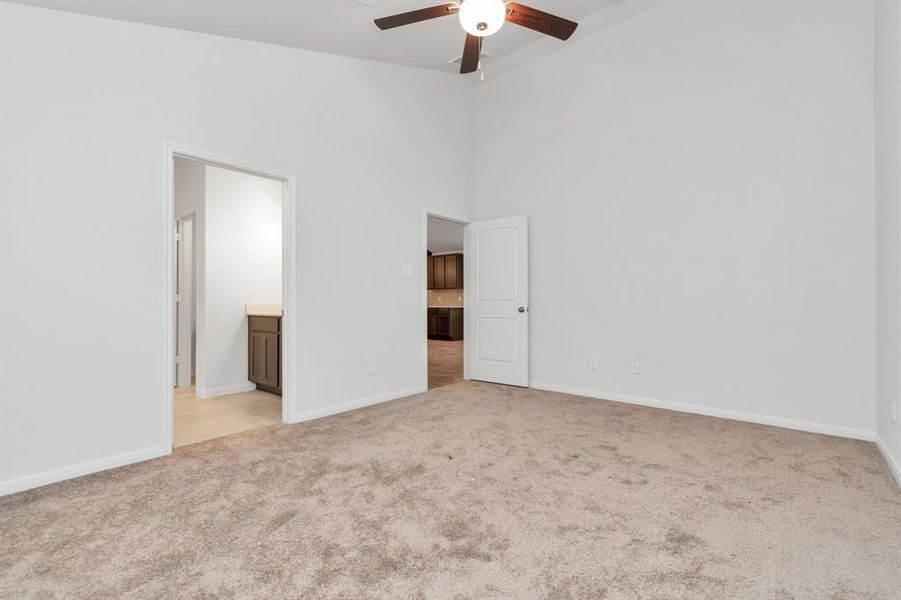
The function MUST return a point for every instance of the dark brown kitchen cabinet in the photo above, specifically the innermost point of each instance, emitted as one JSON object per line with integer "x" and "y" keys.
{"x": 445, "y": 272}
{"x": 264, "y": 360}
{"x": 438, "y": 272}
{"x": 433, "y": 322}
{"x": 445, "y": 323}
{"x": 453, "y": 271}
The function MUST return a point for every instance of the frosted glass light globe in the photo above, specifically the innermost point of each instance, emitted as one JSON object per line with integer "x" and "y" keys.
{"x": 482, "y": 17}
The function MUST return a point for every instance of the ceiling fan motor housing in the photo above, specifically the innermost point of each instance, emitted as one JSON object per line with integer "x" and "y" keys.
{"x": 482, "y": 17}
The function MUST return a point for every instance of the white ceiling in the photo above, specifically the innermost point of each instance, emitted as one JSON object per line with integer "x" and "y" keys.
{"x": 444, "y": 236}
{"x": 334, "y": 26}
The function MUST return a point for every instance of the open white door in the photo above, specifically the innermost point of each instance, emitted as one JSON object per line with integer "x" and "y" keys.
{"x": 184, "y": 301}
{"x": 497, "y": 300}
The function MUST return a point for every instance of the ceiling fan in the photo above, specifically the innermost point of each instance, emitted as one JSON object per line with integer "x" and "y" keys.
{"x": 481, "y": 18}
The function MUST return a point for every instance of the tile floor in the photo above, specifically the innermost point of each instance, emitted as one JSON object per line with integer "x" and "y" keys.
{"x": 198, "y": 419}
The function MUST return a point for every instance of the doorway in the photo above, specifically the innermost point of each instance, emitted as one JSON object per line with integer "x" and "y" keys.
{"x": 490, "y": 293}
{"x": 445, "y": 300}
{"x": 231, "y": 302}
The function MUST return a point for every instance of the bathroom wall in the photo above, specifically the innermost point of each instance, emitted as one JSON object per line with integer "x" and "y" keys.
{"x": 242, "y": 264}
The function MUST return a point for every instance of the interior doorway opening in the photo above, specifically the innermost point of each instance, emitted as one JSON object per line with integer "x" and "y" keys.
{"x": 445, "y": 301}
{"x": 229, "y": 283}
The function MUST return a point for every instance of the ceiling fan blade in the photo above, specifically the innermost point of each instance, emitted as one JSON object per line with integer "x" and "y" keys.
{"x": 539, "y": 21}
{"x": 472, "y": 51}
{"x": 415, "y": 16}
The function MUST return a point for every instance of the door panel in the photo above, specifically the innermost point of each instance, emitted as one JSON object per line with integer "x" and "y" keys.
{"x": 497, "y": 269}
{"x": 497, "y": 300}
{"x": 184, "y": 301}
{"x": 497, "y": 340}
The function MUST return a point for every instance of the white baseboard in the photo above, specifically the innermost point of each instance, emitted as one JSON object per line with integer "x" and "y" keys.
{"x": 318, "y": 413}
{"x": 893, "y": 465}
{"x": 845, "y": 432}
{"x": 56, "y": 475}
{"x": 225, "y": 390}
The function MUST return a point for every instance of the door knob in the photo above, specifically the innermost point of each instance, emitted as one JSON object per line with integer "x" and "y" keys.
{"x": 522, "y": 309}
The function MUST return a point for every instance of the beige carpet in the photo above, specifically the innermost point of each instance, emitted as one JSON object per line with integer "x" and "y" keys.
{"x": 472, "y": 491}
{"x": 445, "y": 362}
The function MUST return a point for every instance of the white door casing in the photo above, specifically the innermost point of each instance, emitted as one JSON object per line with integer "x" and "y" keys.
{"x": 497, "y": 300}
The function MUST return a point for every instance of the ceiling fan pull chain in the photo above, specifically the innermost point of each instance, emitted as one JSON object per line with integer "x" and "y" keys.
{"x": 481, "y": 71}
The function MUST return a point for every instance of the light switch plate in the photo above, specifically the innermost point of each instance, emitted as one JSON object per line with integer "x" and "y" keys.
{"x": 408, "y": 272}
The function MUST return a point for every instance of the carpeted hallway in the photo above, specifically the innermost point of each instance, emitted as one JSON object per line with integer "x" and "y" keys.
{"x": 472, "y": 491}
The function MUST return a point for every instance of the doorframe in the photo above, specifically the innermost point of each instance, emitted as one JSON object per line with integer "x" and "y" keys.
{"x": 290, "y": 260}
{"x": 426, "y": 213}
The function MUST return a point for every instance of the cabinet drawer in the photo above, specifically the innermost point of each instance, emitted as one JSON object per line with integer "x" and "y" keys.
{"x": 265, "y": 324}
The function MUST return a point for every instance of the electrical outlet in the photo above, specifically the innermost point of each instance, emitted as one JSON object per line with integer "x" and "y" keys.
{"x": 894, "y": 411}
{"x": 370, "y": 369}
{"x": 636, "y": 368}
{"x": 593, "y": 363}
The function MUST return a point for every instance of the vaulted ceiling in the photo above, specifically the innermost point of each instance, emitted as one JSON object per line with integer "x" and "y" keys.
{"x": 337, "y": 26}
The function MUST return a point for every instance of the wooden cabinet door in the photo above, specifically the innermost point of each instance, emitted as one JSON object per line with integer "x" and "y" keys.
{"x": 264, "y": 359}
{"x": 443, "y": 323}
{"x": 255, "y": 346}
{"x": 450, "y": 271}
{"x": 439, "y": 269}
{"x": 430, "y": 272}
{"x": 456, "y": 324}
{"x": 433, "y": 322}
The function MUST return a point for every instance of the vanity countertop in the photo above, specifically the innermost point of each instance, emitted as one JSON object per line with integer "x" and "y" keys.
{"x": 263, "y": 310}
{"x": 461, "y": 306}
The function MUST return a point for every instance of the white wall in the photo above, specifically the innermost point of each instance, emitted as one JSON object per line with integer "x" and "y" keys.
{"x": 88, "y": 106}
{"x": 700, "y": 185}
{"x": 888, "y": 226}
{"x": 242, "y": 264}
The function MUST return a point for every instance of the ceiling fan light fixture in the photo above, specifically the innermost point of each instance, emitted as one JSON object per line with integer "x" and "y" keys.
{"x": 482, "y": 17}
